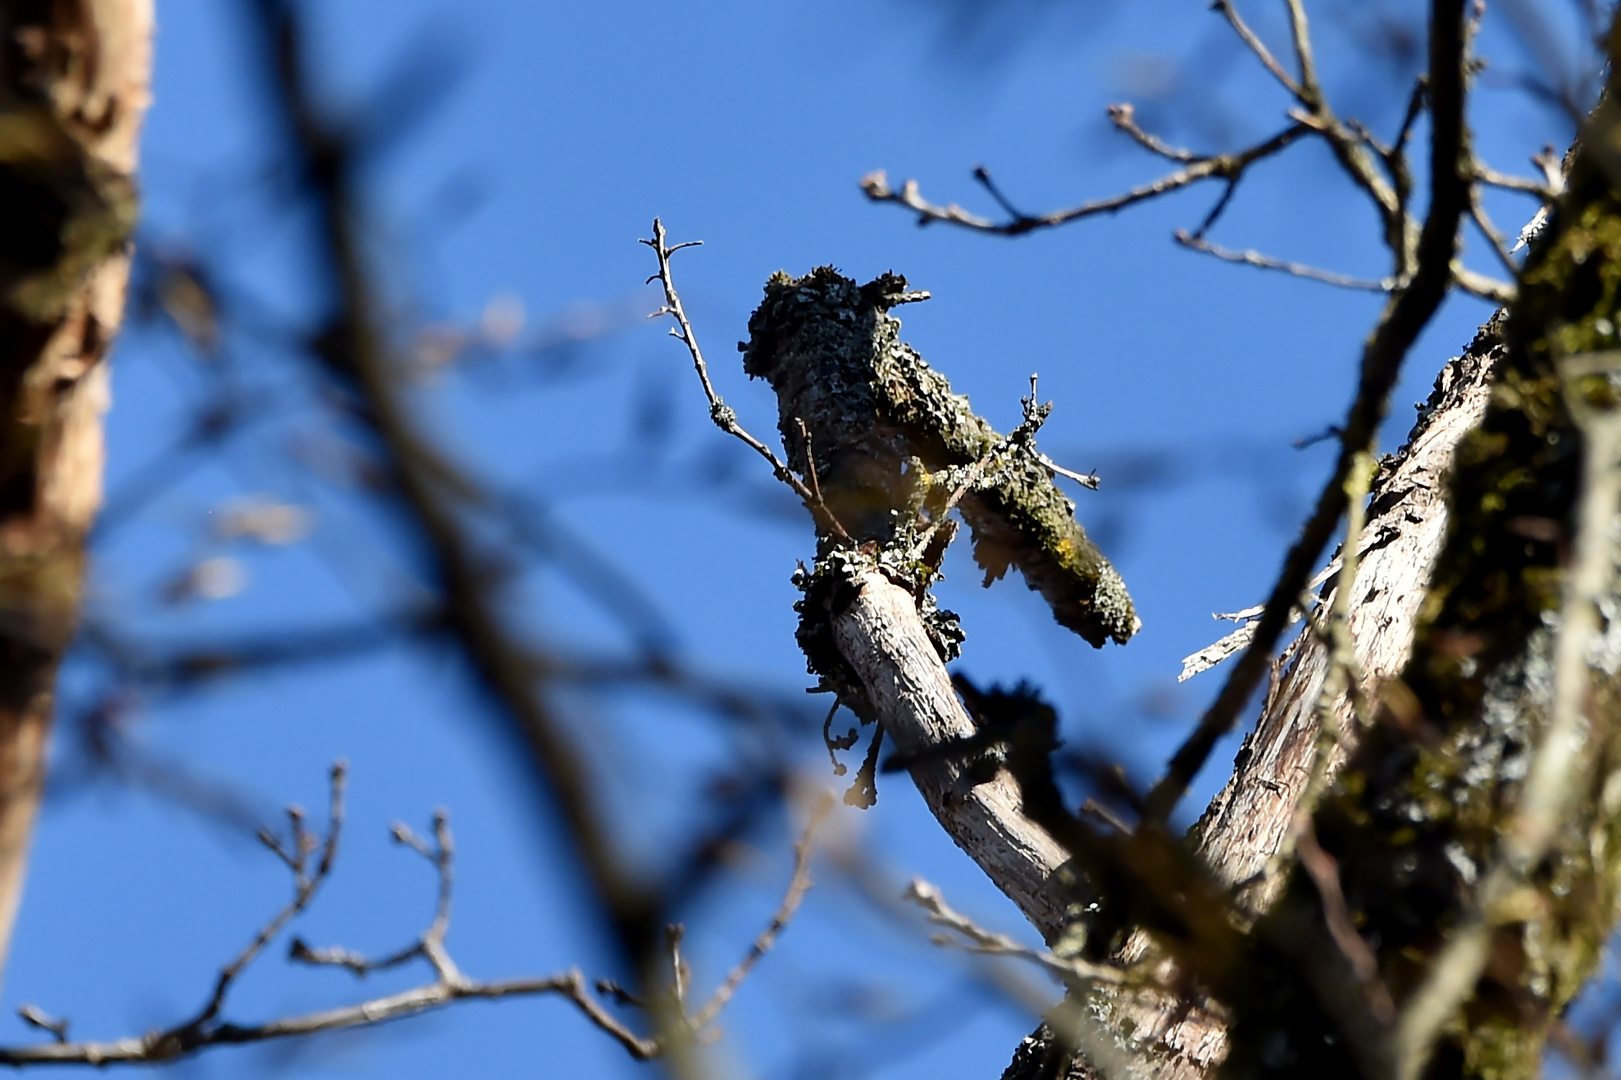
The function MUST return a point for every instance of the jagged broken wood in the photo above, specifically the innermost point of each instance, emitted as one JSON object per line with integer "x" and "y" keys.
{"x": 861, "y": 412}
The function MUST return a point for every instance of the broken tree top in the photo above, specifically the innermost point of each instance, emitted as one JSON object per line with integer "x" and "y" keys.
{"x": 880, "y": 420}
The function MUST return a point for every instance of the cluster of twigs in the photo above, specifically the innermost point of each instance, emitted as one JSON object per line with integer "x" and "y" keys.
{"x": 438, "y": 499}
{"x": 1380, "y": 170}
{"x": 311, "y": 857}
{"x": 1424, "y": 266}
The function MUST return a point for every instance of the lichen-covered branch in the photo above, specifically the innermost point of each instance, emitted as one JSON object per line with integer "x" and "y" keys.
{"x": 882, "y": 424}
{"x": 74, "y": 82}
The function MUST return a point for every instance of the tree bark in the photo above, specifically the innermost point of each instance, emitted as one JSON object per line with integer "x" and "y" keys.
{"x": 74, "y": 84}
{"x": 881, "y": 636}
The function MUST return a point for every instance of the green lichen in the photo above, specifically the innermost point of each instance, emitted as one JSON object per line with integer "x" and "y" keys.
{"x": 881, "y": 423}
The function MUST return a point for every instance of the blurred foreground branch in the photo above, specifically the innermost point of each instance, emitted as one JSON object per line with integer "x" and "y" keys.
{"x": 311, "y": 859}
{"x": 74, "y": 80}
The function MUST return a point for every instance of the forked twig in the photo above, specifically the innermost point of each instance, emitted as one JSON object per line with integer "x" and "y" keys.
{"x": 724, "y": 416}
{"x": 1216, "y": 166}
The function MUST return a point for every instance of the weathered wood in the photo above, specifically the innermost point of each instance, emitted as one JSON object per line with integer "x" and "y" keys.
{"x": 882, "y": 637}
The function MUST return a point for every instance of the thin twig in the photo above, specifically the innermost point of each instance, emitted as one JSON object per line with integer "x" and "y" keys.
{"x": 449, "y": 984}
{"x": 1323, "y": 871}
{"x": 1220, "y": 166}
{"x": 983, "y": 175}
{"x": 1072, "y": 970}
{"x": 165, "y": 1046}
{"x": 306, "y": 883}
{"x": 1256, "y": 46}
{"x": 1124, "y": 117}
{"x": 1300, "y": 37}
{"x": 1089, "y": 480}
{"x": 1487, "y": 288}
{"x": 722, "y": 414}
{"x": 1415, "y": 108}
{"x": 798, "y": 884}
{"x": 33, "y": 1016}
{"x": 1483, "y": 222}
{"x": 1267, "y": 262}
{"x": 1523, "y": 184}
{"x": 1217, "y": 210}
{"x": 1021, "y": 437}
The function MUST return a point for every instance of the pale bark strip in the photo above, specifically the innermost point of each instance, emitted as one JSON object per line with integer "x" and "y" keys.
{"x": 1246, "y": 822}
{"x": 881, "y": 636}
{"x": 74, "y": 79}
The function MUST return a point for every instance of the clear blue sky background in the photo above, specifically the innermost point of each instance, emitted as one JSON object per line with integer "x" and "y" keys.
{"x": 1182, "y": 380}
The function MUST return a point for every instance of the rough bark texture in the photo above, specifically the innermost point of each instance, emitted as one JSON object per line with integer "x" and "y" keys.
{"x": 74, "y": 77}
{"x": 1460, "y": 663}
{"x": 1422, "y": 808}
{"x": 880, "y": 423}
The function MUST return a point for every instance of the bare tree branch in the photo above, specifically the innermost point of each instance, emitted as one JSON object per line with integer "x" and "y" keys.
{"x": 1220, "y": 166}
{"x": 311, "y": 860}
{"x": 722, "y": 414}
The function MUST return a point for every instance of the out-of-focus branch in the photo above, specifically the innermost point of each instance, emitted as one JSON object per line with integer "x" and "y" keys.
{"x": 73, "y": 88}
{"x": 143, "y": 1050}
{"x": 311, "y": 860}
{"x": 433, "y": 493}
{"x": 1559, "y": 768}
{"x": 1073, "y": 970}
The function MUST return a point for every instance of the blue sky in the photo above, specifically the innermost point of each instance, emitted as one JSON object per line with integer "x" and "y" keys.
{"x": 747, "y": 125}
